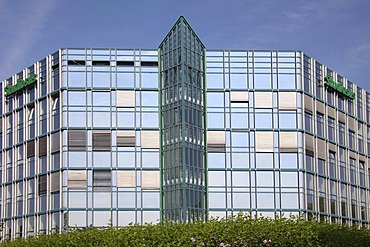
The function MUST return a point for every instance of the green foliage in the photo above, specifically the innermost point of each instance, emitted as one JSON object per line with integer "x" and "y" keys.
{"x": 242, "y": 230}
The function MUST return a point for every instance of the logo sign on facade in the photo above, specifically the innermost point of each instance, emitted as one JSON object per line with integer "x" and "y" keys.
{"x": 21, "y": 84}
{"x": 337, "y": 86}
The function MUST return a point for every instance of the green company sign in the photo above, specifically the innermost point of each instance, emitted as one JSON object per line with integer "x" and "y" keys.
{"x": 11, "y": 89}
{"x": 337, "y": 86}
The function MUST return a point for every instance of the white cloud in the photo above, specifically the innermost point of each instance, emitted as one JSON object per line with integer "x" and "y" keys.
{"x": 27, "y": 29}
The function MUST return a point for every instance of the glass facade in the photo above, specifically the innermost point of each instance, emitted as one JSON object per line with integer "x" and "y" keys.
{"x": 182, "y": 89}
{"x": 112, "y": 136}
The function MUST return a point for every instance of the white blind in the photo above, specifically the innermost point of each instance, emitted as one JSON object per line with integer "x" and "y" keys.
{"x": 320, "y": 107}
{"x": 101, "y": 140}
{"x": 216, "y": 137}
{"x": 342, "y": 117}
{"x": 288, "y": 141}
{"x": 264, "y": 141}
{"x": 55, "y": 142}
{"x": 125, "y": 138}
{"x": 216, "y": 141}
{"x": 351, "y": 123}
{"x": 149, "y": 139}
{"x": 77, "y": 140}
{"x": 308, "y": 104}
{"x": 331, "y": 112}
{"x": 332, "y": 147}
{"x": 309, "y": 140}
{"x": 321, "y": 149}
{"x": 125, "y": 98}
{"x": 54, "y": 182}
{"x": 77, "y": 179}
{"x": 239, "y": 96}
{"x": 30, "y": 149}
{"x": 43, "y": 146}
{"x": 288, "y": 100}
{"x": 126, "y": 179}
{"x": 263, "y": 100}
{"x": 352, "y": 155}
{"x": 150, "y": 180}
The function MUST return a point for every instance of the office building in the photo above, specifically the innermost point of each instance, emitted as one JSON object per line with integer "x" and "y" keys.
{"x": 97, "y": 137}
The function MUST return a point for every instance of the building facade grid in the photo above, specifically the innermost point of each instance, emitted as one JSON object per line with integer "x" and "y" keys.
{"x": 84, "y": 147}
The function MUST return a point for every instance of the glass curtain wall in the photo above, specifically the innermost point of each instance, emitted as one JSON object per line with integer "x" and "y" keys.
{"x": 183, "y": 136}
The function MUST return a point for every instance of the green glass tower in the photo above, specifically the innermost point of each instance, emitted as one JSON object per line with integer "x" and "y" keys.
{"x": 183, "y": 135}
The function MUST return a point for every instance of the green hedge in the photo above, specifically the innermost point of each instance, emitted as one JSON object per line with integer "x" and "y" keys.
{"x": 239, "y": 231}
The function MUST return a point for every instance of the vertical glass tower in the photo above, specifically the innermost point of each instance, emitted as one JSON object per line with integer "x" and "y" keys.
{"x": 182, "y": 90}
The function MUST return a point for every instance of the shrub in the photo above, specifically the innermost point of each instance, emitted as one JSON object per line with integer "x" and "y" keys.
{"x": 242, "y": 230}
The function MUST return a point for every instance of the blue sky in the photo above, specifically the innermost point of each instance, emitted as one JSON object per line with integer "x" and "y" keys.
{"x": 335, "y": 32}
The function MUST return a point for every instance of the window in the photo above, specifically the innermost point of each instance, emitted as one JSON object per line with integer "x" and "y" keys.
{"x": 332, "y": 165}
{"x": 333, "y": 197}
{"x": 43, "y": 77}
{"x": 149, "y": 119}
{"x": 367, "y": 107}
{"x": 307, "y": 74}
{"x": 368, "y": 140}
{"x": 321, "y": 166}
{"x": 101, "y": 99}
{"x": 310, "y": 200}
{"x": 76, "y": 98}
{"x": 9, "y": 131}
{"x": 320, "y": 124}
{"x": 343, "y": 188}
{"x": 351, "y": 139}
{"x": 341, "y": 131}
{"x": 149, "y": 80}
{"x": 319, "y": 81}
{"x": 125, "y": 79}
{"x": 149, "y": 98}
{"x": 340, "y": 102}
{"x": 288, "y": 160}
{"x": 359, "y": 103}
{"x": 215, "y": 99}
{"x": 360, "y": 143}
{"x": 20, "y": 126}
{"x": 102, "y": 180}
{"x": 31, "y": 122}
{"x": 354, "y": 202}
{"x": 330, "y": 98}
{"x": 308, "y": 122}
{"x": 264, "y": 160}
{"x": 331, "y": 129}
{"x": 262, "y": 81}
{"x": 20, "y": 163}
{"x": 352, "y": 170}
{"x": 215, "y": 120}
{"x": 31, "y": 166}
{"x": 287, "y": 120}
{"x": 239, "y": 119}
{"x": 350, "y": 107}
{"x": 55, "y": 113}
{"x": 238, "y": 81}
{"x": 55, "y": 78}
{"x": 42, "y": 184}
{"x": 309, "y": 163}
{"x": 343, "y": 164}
{"x": 362, "y": 173}
{"x": 263, "y": 119}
